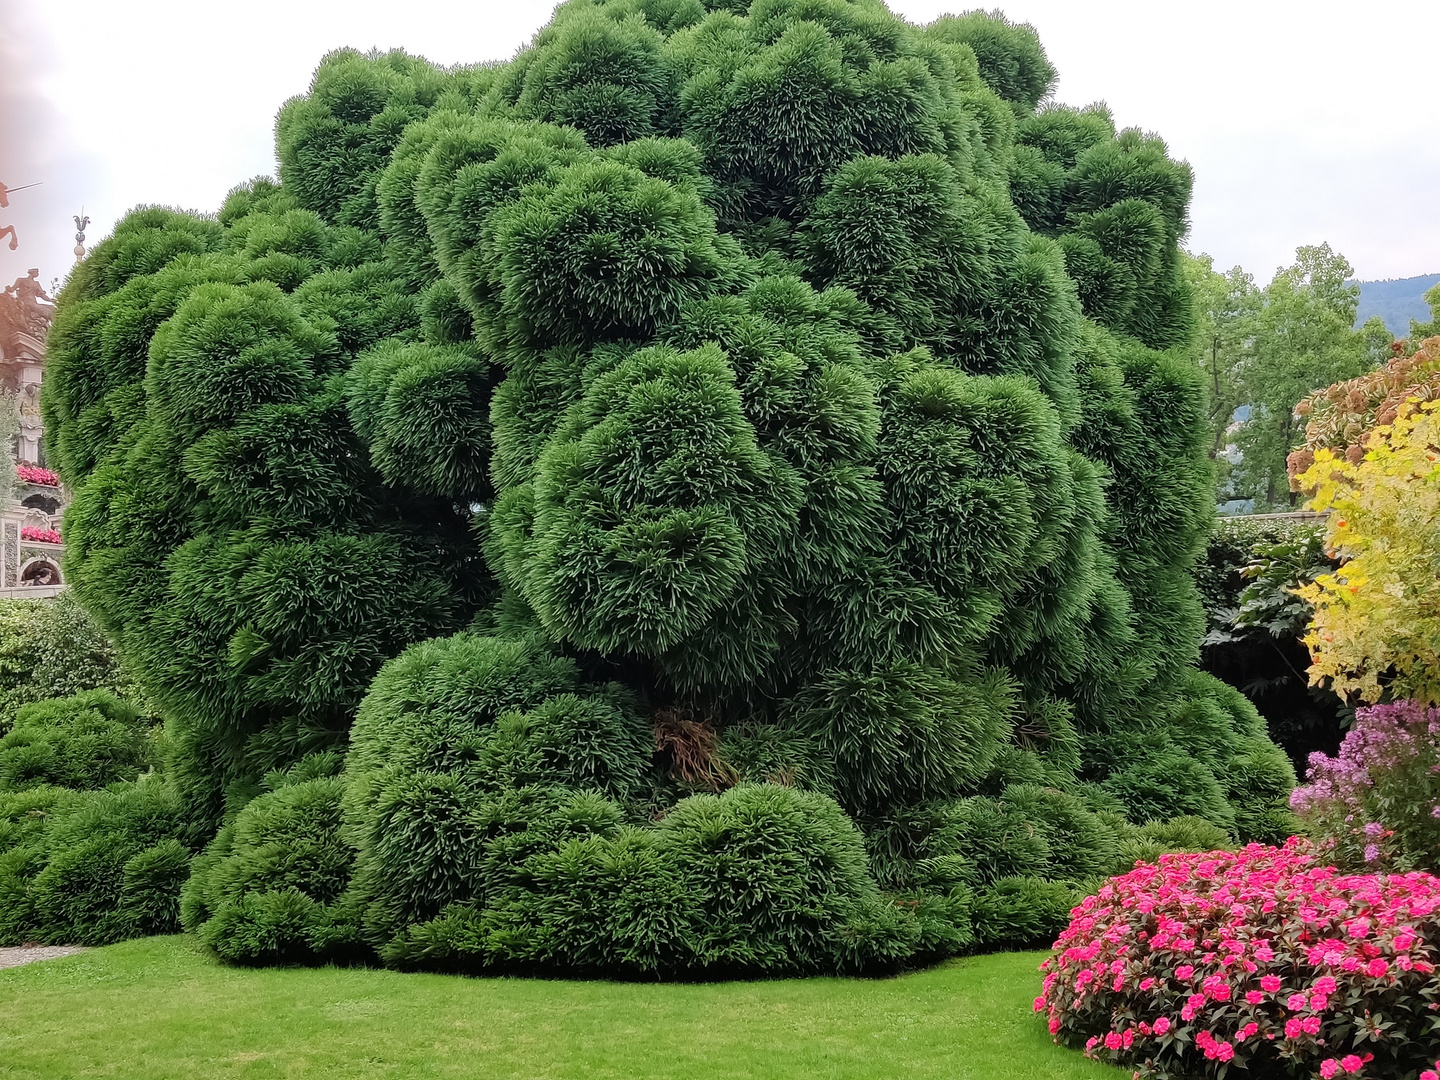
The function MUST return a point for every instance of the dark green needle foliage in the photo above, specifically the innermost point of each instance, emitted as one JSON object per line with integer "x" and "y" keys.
{"x": 266, "y": 890}
{"x": 91, "y": 867}
{"x": 1117, "y": 204}
{"x": 88, "y": 835}
{"x": 87, "y": 741}
{"x": 721, "y": 463}
{"x": 1009, "y": 56}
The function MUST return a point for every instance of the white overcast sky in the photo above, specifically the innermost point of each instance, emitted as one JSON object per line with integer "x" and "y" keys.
{"x": 1304, "y": 121}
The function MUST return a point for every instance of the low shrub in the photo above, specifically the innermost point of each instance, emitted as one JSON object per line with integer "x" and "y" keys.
{"x": 1186, "y": 835}
{"x": 1023, "y": 912}
{"x": 1005, "y": 871}
{"x": 1030, "y": 906}
{"x": 1213, "y": 761}
{"x": 604, "y": 901}
{"x": 85, "y": 741}
{"x": 1170, "y": 783}
{"x": 53, "y": 649}
{"x": 759, "y": 879}
{"x": 1028, "y": 831}
{"x": 458, "y": 747}
{"x": 494, "y": 813}
{"x": 1263, "y": 960}
{"x": 100, "y": 867}
{"x": 269, "y": 888}
{"x": 776, "y": 880}
{"x": 24, "y": 816}
{"x": 90, "y": 848}
{"x": 1376, "y": 805}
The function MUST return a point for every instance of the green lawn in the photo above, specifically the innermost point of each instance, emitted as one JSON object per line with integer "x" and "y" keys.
{"x": 159, "y": 1008}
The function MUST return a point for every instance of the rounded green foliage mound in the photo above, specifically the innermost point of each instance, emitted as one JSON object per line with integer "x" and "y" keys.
{"x": 1211, "y": 759}
{"x": 87, "y": 741}
{"x": 89, "y": 868}
{"x": 720, "y": 462}
{"x": 759, "y": 880}
{"x": 53, "y": 649}
{"x": 266, "y": 889}
{"x": 83, "y": 855}
{"x": 1117, "y": 205}
{"x": 461, "y": 747}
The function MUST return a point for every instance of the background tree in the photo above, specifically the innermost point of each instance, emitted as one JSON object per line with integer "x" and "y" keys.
{"x": 1420, "y": 331}
{"x": 1369, "y": 459}
{"x": 53, "y": 649}
{"x": 1340, "y": 418}
{"x": 1226, "y": 306}
{"x": 1302, "y": 337}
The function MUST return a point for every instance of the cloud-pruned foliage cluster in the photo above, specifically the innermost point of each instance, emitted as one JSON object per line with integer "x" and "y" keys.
{"x": 720, "y": 462}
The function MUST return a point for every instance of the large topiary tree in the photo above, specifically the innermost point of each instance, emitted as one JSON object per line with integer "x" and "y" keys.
{"x": 684, "y": 453}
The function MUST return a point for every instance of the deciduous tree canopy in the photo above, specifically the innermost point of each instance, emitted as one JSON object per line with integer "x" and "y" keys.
{"x": 1265, "y": 349}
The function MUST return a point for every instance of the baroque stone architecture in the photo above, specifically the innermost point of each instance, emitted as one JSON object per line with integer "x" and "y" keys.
{"x": 30, "y": 546}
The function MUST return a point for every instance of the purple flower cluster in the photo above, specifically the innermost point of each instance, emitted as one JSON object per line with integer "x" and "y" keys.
{"x": 1377, "y": 804}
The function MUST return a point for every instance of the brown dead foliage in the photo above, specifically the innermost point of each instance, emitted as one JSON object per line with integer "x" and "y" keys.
{"x": 690, "y": 745}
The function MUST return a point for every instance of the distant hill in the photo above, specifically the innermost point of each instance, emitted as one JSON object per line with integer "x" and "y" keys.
{"x": 1397, "y": 301}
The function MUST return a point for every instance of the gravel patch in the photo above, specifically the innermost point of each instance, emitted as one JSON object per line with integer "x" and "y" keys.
{"x": 28, "y": 954}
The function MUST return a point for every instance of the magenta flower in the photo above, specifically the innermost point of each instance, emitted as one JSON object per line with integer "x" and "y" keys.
{"x": 34, "y": 474}
{"x": 1310, "y": 936}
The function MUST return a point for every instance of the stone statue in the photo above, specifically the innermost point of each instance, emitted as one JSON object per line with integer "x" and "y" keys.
{"x": 12, "y": 316}
{"x": 7, "y": 230}
{"x": 29, "y": 290}
{"x": 26, "y": 307}
{"x": 29, "y": 308}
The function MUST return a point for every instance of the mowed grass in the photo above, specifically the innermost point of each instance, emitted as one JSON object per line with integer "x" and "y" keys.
{"x": 160, "y": 1008}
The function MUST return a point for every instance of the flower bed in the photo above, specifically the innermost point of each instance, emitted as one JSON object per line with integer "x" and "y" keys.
{"x": 34, "y": 474}
{"x": 1261, "y": 960}
{"x": 39, "y": 536}
{"x": 1376, "y": 806}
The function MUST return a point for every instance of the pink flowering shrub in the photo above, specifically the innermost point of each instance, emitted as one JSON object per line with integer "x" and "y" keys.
{"x": 34, "y": 474}
{"x": 1376, "y": 806}
{"x": 1262, "y": 961}
{"x": 42, "y": 536}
